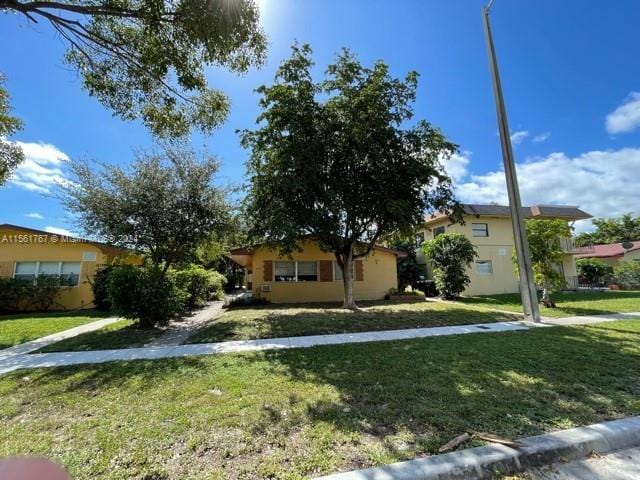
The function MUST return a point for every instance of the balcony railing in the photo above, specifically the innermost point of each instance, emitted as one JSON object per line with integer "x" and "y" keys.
{"x": 568, "y": 246}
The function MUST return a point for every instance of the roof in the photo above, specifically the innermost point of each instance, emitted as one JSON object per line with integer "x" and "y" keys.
{"x": 609, "y": 250}
{"x": 105, "y": 247}
{"x": 568, "y": 212}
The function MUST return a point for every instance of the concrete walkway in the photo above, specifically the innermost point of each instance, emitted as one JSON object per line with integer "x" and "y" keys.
{"x": 178, "y": 332}
{"x": 41, "y": 342}
{"x": 15, "y": 362}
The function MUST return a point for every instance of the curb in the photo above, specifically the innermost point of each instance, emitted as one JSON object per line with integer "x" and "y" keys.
{"x": 492, "y": 460}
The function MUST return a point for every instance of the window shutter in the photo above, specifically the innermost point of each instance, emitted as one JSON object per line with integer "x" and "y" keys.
{"x": 359, "y": 268}
{"x": 268, "y": 271}
{"x": 326, "y": 270}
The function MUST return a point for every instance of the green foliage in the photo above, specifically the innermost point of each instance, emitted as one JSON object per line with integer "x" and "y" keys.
{"x": 165, "y": 205}
{"x": 545, "y": 245}
{"x": 100, "y": 287}
{"x": 20, "y": 295}
{"x": 145, "y": 294}
{"x": 11, "y": 155}
{"x": 450, "y": 254}
{"x": 408, "y": 269}
{"x": 335, "y": 159}
{"x": 612, "y": 230}
{"x": 593, "y": 270}
{"x": 247, "y": 301}
{"x": 627, "y": 275}
{"x": 199, "y": 284}
{"x": 147, "y": 59}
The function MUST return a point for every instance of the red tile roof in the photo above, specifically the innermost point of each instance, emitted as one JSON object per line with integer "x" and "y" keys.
{"x": 609, "y": 250}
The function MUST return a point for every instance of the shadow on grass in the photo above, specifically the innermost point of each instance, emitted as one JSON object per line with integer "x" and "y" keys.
{"x": 291, "y": 321}
{"x": 57, "y": 314}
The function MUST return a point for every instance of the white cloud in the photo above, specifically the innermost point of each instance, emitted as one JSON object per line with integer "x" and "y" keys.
{"x": 626, "y": 117}
{"x": 518, "y": 137}
{"x": 59, "y": 231}
{"x": 541, "y": 137}
{"x": 42, "y": 168}
{"x": 456, "y": 166}
{"x": 603, "y": 183}
{"x": 34, "y": 215}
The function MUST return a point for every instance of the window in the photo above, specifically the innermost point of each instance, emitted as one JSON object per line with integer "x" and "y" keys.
{"x": 420, "y": 238}
{"x": 438, "y": 231}
{"x": 484, "y": 267}
{"x": 480, "y": 229}
{"x": 26, "y": 271}
{"x": 337, "y": 273}
{"x": 285, "y": 272}
{"x": 307, "y": 271}
{"x": 67, "y": 272}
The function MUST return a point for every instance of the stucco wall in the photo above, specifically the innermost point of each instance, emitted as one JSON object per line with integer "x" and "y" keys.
{"x": 22, "y": 246}
{"x": 379, "y": 275}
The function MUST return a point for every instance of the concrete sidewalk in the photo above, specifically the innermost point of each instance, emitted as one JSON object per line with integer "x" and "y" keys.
{"x": 57, "y": 359}
{"x": 41, "y": 342}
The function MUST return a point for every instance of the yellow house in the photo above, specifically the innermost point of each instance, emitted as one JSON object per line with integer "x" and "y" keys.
{"x": 489, "y": 229}
{"x": 614, "y": 253}
{"x": 26, "y": 253}
{"x": 312, "y": 275}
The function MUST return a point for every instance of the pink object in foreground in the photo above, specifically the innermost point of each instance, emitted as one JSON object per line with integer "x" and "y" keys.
{"x": 31, "y": 468}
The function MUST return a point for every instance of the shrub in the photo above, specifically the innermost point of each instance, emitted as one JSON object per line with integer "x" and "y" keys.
{"x": 100, "y": 287}
{"x": 593, "y": 270}
{"x": 450, "y": 254}
{"x": 200, "y": 285}
{"x": 145, "y": 293}
{"x": 247, "y": 301}
{"x": 20, "y": 295}
{"x": 627, "y": 275}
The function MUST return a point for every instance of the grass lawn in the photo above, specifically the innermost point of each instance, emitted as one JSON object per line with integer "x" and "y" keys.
{"x": 569, "y": 303}
{"x": 16, "y": 329}
{"x": 316, "y": 319}
{"x": 121, "y": 334}
{"x": 305, "y": 412}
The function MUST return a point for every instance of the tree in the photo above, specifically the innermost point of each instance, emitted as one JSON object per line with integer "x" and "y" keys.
{"x": 11, "y": 155}
{"x": 331, "y": 160}
{"x": 593, "y": 270}
{"x": 612, "y": 230}
{"x": 450, "y": 255}
{"x": 545, "y": 244}
{"x": 146, "y": 58}
{"x": 408, "y": 270}
{"x": 164, "y": 205}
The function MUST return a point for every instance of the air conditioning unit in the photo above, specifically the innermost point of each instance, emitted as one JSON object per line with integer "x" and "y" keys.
{"x": 265, "y": 288}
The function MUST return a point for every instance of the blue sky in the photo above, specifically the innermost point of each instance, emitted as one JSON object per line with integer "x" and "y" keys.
{"x": 569, "y": 70}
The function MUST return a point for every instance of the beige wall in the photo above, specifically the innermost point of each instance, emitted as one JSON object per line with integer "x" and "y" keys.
{"x": 379, "y": 275}
{"x": 498, "y": 248}
{"x": 22, "y": 246}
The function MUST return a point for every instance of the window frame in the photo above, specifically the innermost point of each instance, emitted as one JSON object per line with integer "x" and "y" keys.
{"x": 484, "y": 262}
{"x": 439, "y": 231}
{"x": 37, "y": 272}
{"x": 295, "y": 271}
{"x": 317, "y": 274}
{"x": 486, "y": 230}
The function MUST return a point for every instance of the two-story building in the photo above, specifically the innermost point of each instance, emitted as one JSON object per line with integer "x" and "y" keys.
{"x": 489, "y": 228}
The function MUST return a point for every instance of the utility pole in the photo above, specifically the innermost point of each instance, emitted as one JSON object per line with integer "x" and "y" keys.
{"x": 528, "y": 290}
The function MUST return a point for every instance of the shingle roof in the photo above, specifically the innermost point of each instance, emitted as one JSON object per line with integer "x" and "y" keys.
{"x": 609, "y": 250}
{"x": 536, "y": 211}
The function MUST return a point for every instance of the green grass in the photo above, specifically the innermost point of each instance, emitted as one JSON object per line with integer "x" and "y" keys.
{"x": 568, "y": 303}
{"x": 317, "y": 319}
{"x": 17, "y": 329}
{"x": 298, "y": 413}
{"x": 121, "y": 334}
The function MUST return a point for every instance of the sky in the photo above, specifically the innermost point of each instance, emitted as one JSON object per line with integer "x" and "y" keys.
{"x": 570, "y": 75}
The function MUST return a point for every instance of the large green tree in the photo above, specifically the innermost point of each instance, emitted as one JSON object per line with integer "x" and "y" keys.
{"x": 164, "y": 204}
{"x": 612, "y": 230}
{"x": 11, "y": 155}
{"x": 146, "y": 58}
{"x": 336, "y": 160}
{"x": 450, "y": 255}
{"x": 546, "y": 247}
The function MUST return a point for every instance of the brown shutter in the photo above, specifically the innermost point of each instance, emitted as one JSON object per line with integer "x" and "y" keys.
{"x": 326, "y": 270}
{"x": 268, "y": 271}
{"x": 359, "y": 268}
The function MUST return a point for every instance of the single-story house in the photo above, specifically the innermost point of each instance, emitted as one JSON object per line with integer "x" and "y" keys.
{"x": 312, "y": 275}
{"x": 26, "y": 253}
{"x": 614, "y": 253}
{"x": 489, "y": 228}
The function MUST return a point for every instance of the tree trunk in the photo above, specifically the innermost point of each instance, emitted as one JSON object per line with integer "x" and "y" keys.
{"x": 546, "y": 296}
{"x": 346, "y": 264}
